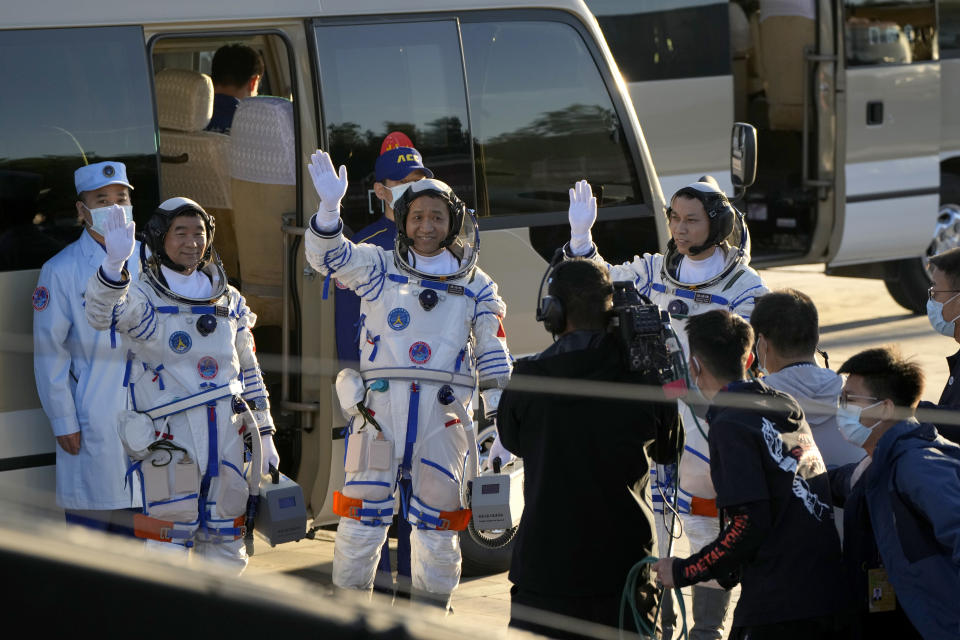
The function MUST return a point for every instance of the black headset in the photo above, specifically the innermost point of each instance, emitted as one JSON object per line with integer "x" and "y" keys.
{"x": 550, "y": 309}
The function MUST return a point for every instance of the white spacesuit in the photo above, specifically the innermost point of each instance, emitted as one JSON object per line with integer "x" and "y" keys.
{"x": 430, "y": 327}
{"x": 725, "y": 281}
{"x": 195, "y": 387}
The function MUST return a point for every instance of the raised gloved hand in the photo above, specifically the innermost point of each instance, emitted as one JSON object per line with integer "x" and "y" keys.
{"x": 270, "y": 455}
{"x": 497, "y": 450}
{"x": 330, "y": 186}
{"x": 582, "y": 214}
{"x": 119, "y": 242}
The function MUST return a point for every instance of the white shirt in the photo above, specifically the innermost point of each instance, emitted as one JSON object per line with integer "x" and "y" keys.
{"x": 695, "y": 271}
{"x": 196, "y": 285}
{"x": 444, "y": 263}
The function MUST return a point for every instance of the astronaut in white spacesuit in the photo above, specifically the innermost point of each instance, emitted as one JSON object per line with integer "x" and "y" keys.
{"x": 706, "y": 267}
{"x": 195, "y": 388}
{"x": 430, "y": 327}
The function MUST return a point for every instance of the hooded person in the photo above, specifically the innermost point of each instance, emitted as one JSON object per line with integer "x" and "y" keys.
{"x": 706, "y": 267}
{"x": 196, "y": 393}
{"x": 787, "y": 328}
{"x": 431, "y": 329}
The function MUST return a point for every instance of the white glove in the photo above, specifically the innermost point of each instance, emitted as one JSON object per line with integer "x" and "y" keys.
{"x": 119, "y": 241}
{"x": 270, "y": 455}
{"x": 497, "y": 450}
{"x": 330, "y": 186}
{"x": 582, "y": 213}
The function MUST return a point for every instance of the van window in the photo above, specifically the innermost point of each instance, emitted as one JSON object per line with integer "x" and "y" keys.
{"x": 70, "y": 96}
{"x": 406, "y": 77}
{"x": 666, "y": 44}
{"x": 541, "y": 119}
{"x": 900, "y": 32}
{"x": 950, "y": 28}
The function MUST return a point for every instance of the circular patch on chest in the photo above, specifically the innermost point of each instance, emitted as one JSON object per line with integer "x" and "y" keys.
{"x": 678, "y": 308}
{"x": 180, "y": 342}
{"x": 207, "y": 367}
{"x": 420, "y": 352}
{"x": 41, "y": 298}
{"x": 428, "y": 299}
{"x": 206, "y": 324}
{"x": 398, "y": 319}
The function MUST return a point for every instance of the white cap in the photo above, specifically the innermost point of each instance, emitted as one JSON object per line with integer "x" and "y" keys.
{"x": 100, "y": 174}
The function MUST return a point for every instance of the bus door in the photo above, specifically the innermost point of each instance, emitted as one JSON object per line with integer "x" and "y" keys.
{"x": 890, "y": 128}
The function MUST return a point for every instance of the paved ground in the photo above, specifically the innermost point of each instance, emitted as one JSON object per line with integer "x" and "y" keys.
{"x": 854, "y": 314}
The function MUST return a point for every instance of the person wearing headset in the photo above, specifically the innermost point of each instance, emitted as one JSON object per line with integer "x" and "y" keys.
{"x": 706, "y": 267}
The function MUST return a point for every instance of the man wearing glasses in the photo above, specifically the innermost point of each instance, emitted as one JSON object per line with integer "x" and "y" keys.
{"x": 901, "y": 504}
{"x": 943, "y": 310}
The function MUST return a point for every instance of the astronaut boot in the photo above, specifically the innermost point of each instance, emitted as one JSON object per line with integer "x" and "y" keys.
{"x": 709, "y": 609}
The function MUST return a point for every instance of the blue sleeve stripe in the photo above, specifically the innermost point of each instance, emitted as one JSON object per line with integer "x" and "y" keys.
{"x": 498, "y": 368}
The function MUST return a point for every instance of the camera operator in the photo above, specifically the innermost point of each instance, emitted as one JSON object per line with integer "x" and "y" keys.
{"x": 585, "y": 461}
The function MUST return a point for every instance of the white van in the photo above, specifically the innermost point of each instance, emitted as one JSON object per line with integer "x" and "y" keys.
{"x": 859, "y": 158}
{"x": 508, "y": 101}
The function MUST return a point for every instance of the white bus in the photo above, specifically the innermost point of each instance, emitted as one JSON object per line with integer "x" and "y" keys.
{"x": 508, "y": 101}
{"x": 859, "y": 133}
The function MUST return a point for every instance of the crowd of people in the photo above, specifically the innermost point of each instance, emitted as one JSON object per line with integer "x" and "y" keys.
{"x": 820, "y": 493}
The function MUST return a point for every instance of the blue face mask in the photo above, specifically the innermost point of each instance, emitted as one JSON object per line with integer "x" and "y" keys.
{"x": 848, "y": 422}
{"x": 935, "y": 316}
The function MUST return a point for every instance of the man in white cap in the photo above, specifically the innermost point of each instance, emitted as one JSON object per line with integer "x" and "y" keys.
{"x": 79, "y": 370}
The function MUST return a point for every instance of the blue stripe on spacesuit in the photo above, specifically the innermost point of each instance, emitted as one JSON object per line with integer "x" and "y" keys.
{"x": 151, "y": 323}
{"x": 430, "y": 284}
{"x": 412, "y": 419}
{"x": 696, "y": 453}
{"x": 240, "y": 473}
{"x": 431, "y": 463}
{"x": 369, "y": 483}
{"x": 690, "y": 294}
{"x": 148, "y": 314}
{"x": 744, "y": 295}
{"x": 491, "y": 354}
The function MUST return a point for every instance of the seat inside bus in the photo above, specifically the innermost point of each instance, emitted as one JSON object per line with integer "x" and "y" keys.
{"x": 263, "y": 180}
{"x": 195, "y": 163}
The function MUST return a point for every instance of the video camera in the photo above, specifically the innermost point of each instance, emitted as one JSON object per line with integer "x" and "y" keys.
{"x": 650, "y": 344}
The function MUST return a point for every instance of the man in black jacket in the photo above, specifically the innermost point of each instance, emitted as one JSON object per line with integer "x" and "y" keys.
{"x": 588, "y": 516}
{"x": 777, "y": 534}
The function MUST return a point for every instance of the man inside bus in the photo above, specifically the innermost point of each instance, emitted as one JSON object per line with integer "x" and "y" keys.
{"x": 943, "y": 311}
{"x": 431, "y": 327}
{"x": 236, "y": 74}
{"x": 79, "y": 370}
{"x": 396, "y": 167}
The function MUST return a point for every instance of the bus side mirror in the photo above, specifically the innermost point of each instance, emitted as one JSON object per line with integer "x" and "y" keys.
{"x": 743, "y": 156}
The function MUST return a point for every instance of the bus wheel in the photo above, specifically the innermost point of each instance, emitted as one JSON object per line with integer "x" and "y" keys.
{"x": 908, "y": 286}
{"x": 486, "y": 552}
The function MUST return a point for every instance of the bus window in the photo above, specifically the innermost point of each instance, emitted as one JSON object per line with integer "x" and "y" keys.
{"x": 70, "y": 96}
{"x": 665, "y": 43}
{"x": 892, "y": 33}
{"x": 542, "y": 119}
{"x": 379, "y": 78}
{"x": 950, "y": 28}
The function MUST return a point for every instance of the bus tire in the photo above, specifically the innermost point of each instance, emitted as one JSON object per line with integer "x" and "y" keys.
{"x": 484, "y": 552}
{"x": 909, "y": 283}
{"x": 908, "y": 286}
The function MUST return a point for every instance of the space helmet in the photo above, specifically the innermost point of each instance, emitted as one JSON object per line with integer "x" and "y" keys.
{"x": 728, "y": 230}
{"x": 153, "y": 253}
{"x": 462, "y": 239}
